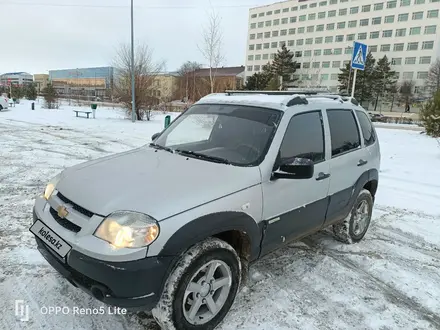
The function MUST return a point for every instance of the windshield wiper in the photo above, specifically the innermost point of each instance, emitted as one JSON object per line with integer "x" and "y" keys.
{"x": 203, "y": 156}
{"x": 158, "y": 146}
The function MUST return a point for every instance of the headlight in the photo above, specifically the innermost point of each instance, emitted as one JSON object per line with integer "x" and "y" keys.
{"x": 125, "y": 229}
{"x": 50, "y": 188}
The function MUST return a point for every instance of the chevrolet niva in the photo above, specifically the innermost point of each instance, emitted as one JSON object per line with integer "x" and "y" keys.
{"x": 171, "y": 227}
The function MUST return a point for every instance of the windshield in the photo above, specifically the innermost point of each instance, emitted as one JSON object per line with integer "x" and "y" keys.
{"x": 238, "y": 135}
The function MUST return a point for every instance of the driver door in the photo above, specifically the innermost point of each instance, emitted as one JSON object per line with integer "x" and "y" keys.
{"x": 296, "y": 207}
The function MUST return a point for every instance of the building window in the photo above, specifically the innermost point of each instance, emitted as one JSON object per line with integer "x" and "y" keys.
{"x": 327, "y": 52}
{"x": 272, "y": 56}
{"x": 396, "y": 61}
{"x": 313, "y": 5}
{"x": 354, "y": 10}
{"x": 346, "y": 63}
{"x": 341, "y": 25}
{"x": 309, "y": 41}
{"x": 300, "y": 42}
{"x": 352, "y": 24}
{"x": 323, "y": 3}
{"x": 366, "y": 8}
{"x": 317, "y": 52}
{"x": 266, "y": 45}
{"x": 298, "y": 53}
{"x": 306, "y": 65}
{"x": 325, "y": 64}
{"x": 334, "y": 76}
{"x": 277, "y": 11}
{"x": 389, "y": 19}
{"x": 431, "y": 29}
{"x": 285, "y": 10}
{"x": 374, "y": 35}
{"x": 391, "y": 4}
{"x": 260, "y": 25}
{"x": 398, "y": 47}
{"x": 408, "y": 75}
{"x": 307, "y": 53}
{"x": 302, "y": 7}
{"x": 276, "y": 22}
{"x": 301, "y": 30}
{"x": 252, "y": 36}
{"x": 432, "y": 13}
{"x": 362, "y": 36}
{"x": 348, "y": 50}
{"x": 250, "y": 57}
{"x": 268, "y": 23}
{"x": 318, "y": 40}
{"x": 412, "y": 46}
{"x": 422, "y": 74}
{"x": 292, "y": 31}
{"x": 258, "y": 46}
{"x": 274, "y": 33}
{"x": 363, "y": 22}
{"x": 425, "y": 60}
{"x": 400, "y": 32}
{"x": 324, "y": 76}
{"x": 253, "y": 25}
{"x": 260, "y": 35}
{"x": 419, "y": 2}
{"x": 269, "y": 13}
{"x": 315, "y": 65}
{"x": 257, "y": 57}
{"x": 266, "y": 34}
{"x": 253, "y": 15}
{"x": 417, "y": 15}
{"x": 328, "y": 39}
{"x": 387, "y": 33}
{"x": 337, "y": 51}
{"x": 385, "y": 48}
{"x": 274, "y": 44}
{"x": 415, "y": 31}
{"x": 339, "y": 38}
{"x": 404, "y": 3}
{"x": 319, "y": 27}
{"x": 294, "y": 8}
{"x": 330, "y": 26}
{"x": 428, "y": 45}
{"x": 331, "y": 13}
{"x": 283, "y": 32}
{"x": 302, "y": 18}
{"x": 343, "y": 12}
{"x": 350, "y": 37}
{"x": 336, "y": 64}
{"x": 249, "y": 68}
{"x": 402, "y": 17}
{"x": 312, "y": 17}
{"x": 378, "y": 6}
{"x": 291, "y": 43}
{"x": 311, "y": 28}
{"x": 373, "y": 49}
{"x": 293, "y": 19}
{"x": 284, "y": 20}
{"x": 251, "y": 47}
{"x": 376, "y": 20}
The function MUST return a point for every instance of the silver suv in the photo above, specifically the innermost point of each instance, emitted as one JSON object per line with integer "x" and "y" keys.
{"x": 172, "y": 227}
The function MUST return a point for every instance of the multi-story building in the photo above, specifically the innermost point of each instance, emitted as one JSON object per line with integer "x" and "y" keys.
{"x": 16, "y": 78}
{"x": 85, "y": 82}
{"x": 321, "y": 35}
{"x": 41, "y": 80}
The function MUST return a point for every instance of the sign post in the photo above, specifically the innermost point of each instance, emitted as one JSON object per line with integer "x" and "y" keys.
{"x": 358, "y": 59}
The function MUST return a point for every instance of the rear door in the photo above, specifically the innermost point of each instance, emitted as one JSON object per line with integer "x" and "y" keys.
{"x": 348, "y": 161}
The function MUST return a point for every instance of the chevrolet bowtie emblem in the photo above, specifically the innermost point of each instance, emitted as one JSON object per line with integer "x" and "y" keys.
{"x": 62, "y": 211}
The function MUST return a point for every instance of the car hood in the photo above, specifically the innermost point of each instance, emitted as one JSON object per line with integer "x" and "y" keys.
{"x": 155, "y": 182}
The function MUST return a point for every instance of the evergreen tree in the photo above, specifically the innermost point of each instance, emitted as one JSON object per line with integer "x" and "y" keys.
{"x": 283, "y": 65}
{"x": 258, "y": 81}
{"x": 344, "y": 77}
{"x": 16, "y": 92}
{"x": 50, "y": 97}
{"x": 430, "y": 115}
{"x": 31, "y": 92}
{"x": 384, "y": 79}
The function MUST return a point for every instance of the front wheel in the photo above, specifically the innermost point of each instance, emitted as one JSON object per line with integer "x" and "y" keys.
{"x": 201, "y": 289}
{"x": 355, "y": 226}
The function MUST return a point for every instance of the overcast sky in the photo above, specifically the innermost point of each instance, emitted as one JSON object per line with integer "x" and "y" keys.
{"x": 41, "y": 35}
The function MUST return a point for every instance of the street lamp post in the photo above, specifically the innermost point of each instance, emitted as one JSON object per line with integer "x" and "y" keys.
{"x": 133, "y": 98}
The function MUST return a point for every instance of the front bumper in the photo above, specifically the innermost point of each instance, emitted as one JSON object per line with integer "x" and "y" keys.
{"x": 135, "y": 285}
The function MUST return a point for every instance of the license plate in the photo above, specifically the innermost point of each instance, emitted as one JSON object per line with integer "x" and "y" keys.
{"x": 51, "y": 239}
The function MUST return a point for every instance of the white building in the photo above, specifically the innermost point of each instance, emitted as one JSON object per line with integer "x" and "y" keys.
{"x": 16, "y": 78}
{"x": 321, "y": 34}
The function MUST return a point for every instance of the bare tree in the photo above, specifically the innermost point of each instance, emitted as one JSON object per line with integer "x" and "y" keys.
{"x": 433, "y": 80}
{"x": 406, "y": 92}
{"x": 145, "y": 71}
{"x": 211, "y": 47}
{"x": 186, "y": 72}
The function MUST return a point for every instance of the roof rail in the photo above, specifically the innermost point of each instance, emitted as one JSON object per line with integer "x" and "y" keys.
{"x": 230, "y": 92}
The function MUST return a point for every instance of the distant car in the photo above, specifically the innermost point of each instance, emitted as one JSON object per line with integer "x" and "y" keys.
{"x": 3, "y": 102}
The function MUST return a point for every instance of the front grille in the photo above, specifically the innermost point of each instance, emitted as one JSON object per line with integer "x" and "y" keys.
{"x": 75, "y": 206}
{"x": 64, "y": 222}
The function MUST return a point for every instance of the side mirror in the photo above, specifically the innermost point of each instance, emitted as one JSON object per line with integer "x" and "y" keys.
{"x": 155, "y": 136}
{"x": 298, "y": 168}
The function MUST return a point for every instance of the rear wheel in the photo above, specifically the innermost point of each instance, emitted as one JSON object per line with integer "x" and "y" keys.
{"x": 201, "y": 289}
{"x": 355, "y": 226}
{"x": 1, "y": 108}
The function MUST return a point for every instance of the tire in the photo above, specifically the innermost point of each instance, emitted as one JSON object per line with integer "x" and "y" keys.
{"x": 1, "y": 108}
{"x": 174, "y": 308}
{"x": 355, "y": 225}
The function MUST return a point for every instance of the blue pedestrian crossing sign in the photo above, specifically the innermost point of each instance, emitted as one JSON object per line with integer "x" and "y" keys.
{"x": 359, "y": 55}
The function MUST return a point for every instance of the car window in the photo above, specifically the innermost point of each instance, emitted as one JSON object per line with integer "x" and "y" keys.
{"x": 304, "y": 138}
{"x": 367, "y": 128}
{"x": 196, "y": 128}
{"x": 343, "y": 131}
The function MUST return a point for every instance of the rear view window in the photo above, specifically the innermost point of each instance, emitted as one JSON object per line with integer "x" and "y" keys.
{"x": 367, "y": 128}
{"x": 343, "y": 130}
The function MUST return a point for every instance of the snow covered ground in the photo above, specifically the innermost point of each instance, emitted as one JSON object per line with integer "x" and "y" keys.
{"x": 388, "y": 281}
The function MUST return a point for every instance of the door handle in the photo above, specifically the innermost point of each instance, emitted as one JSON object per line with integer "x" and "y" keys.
{"x": 322, "y": 176}
{"x": 362, "y": 162}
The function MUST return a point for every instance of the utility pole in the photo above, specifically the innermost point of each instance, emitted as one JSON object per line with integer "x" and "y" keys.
{"x": 133, "y": 98}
